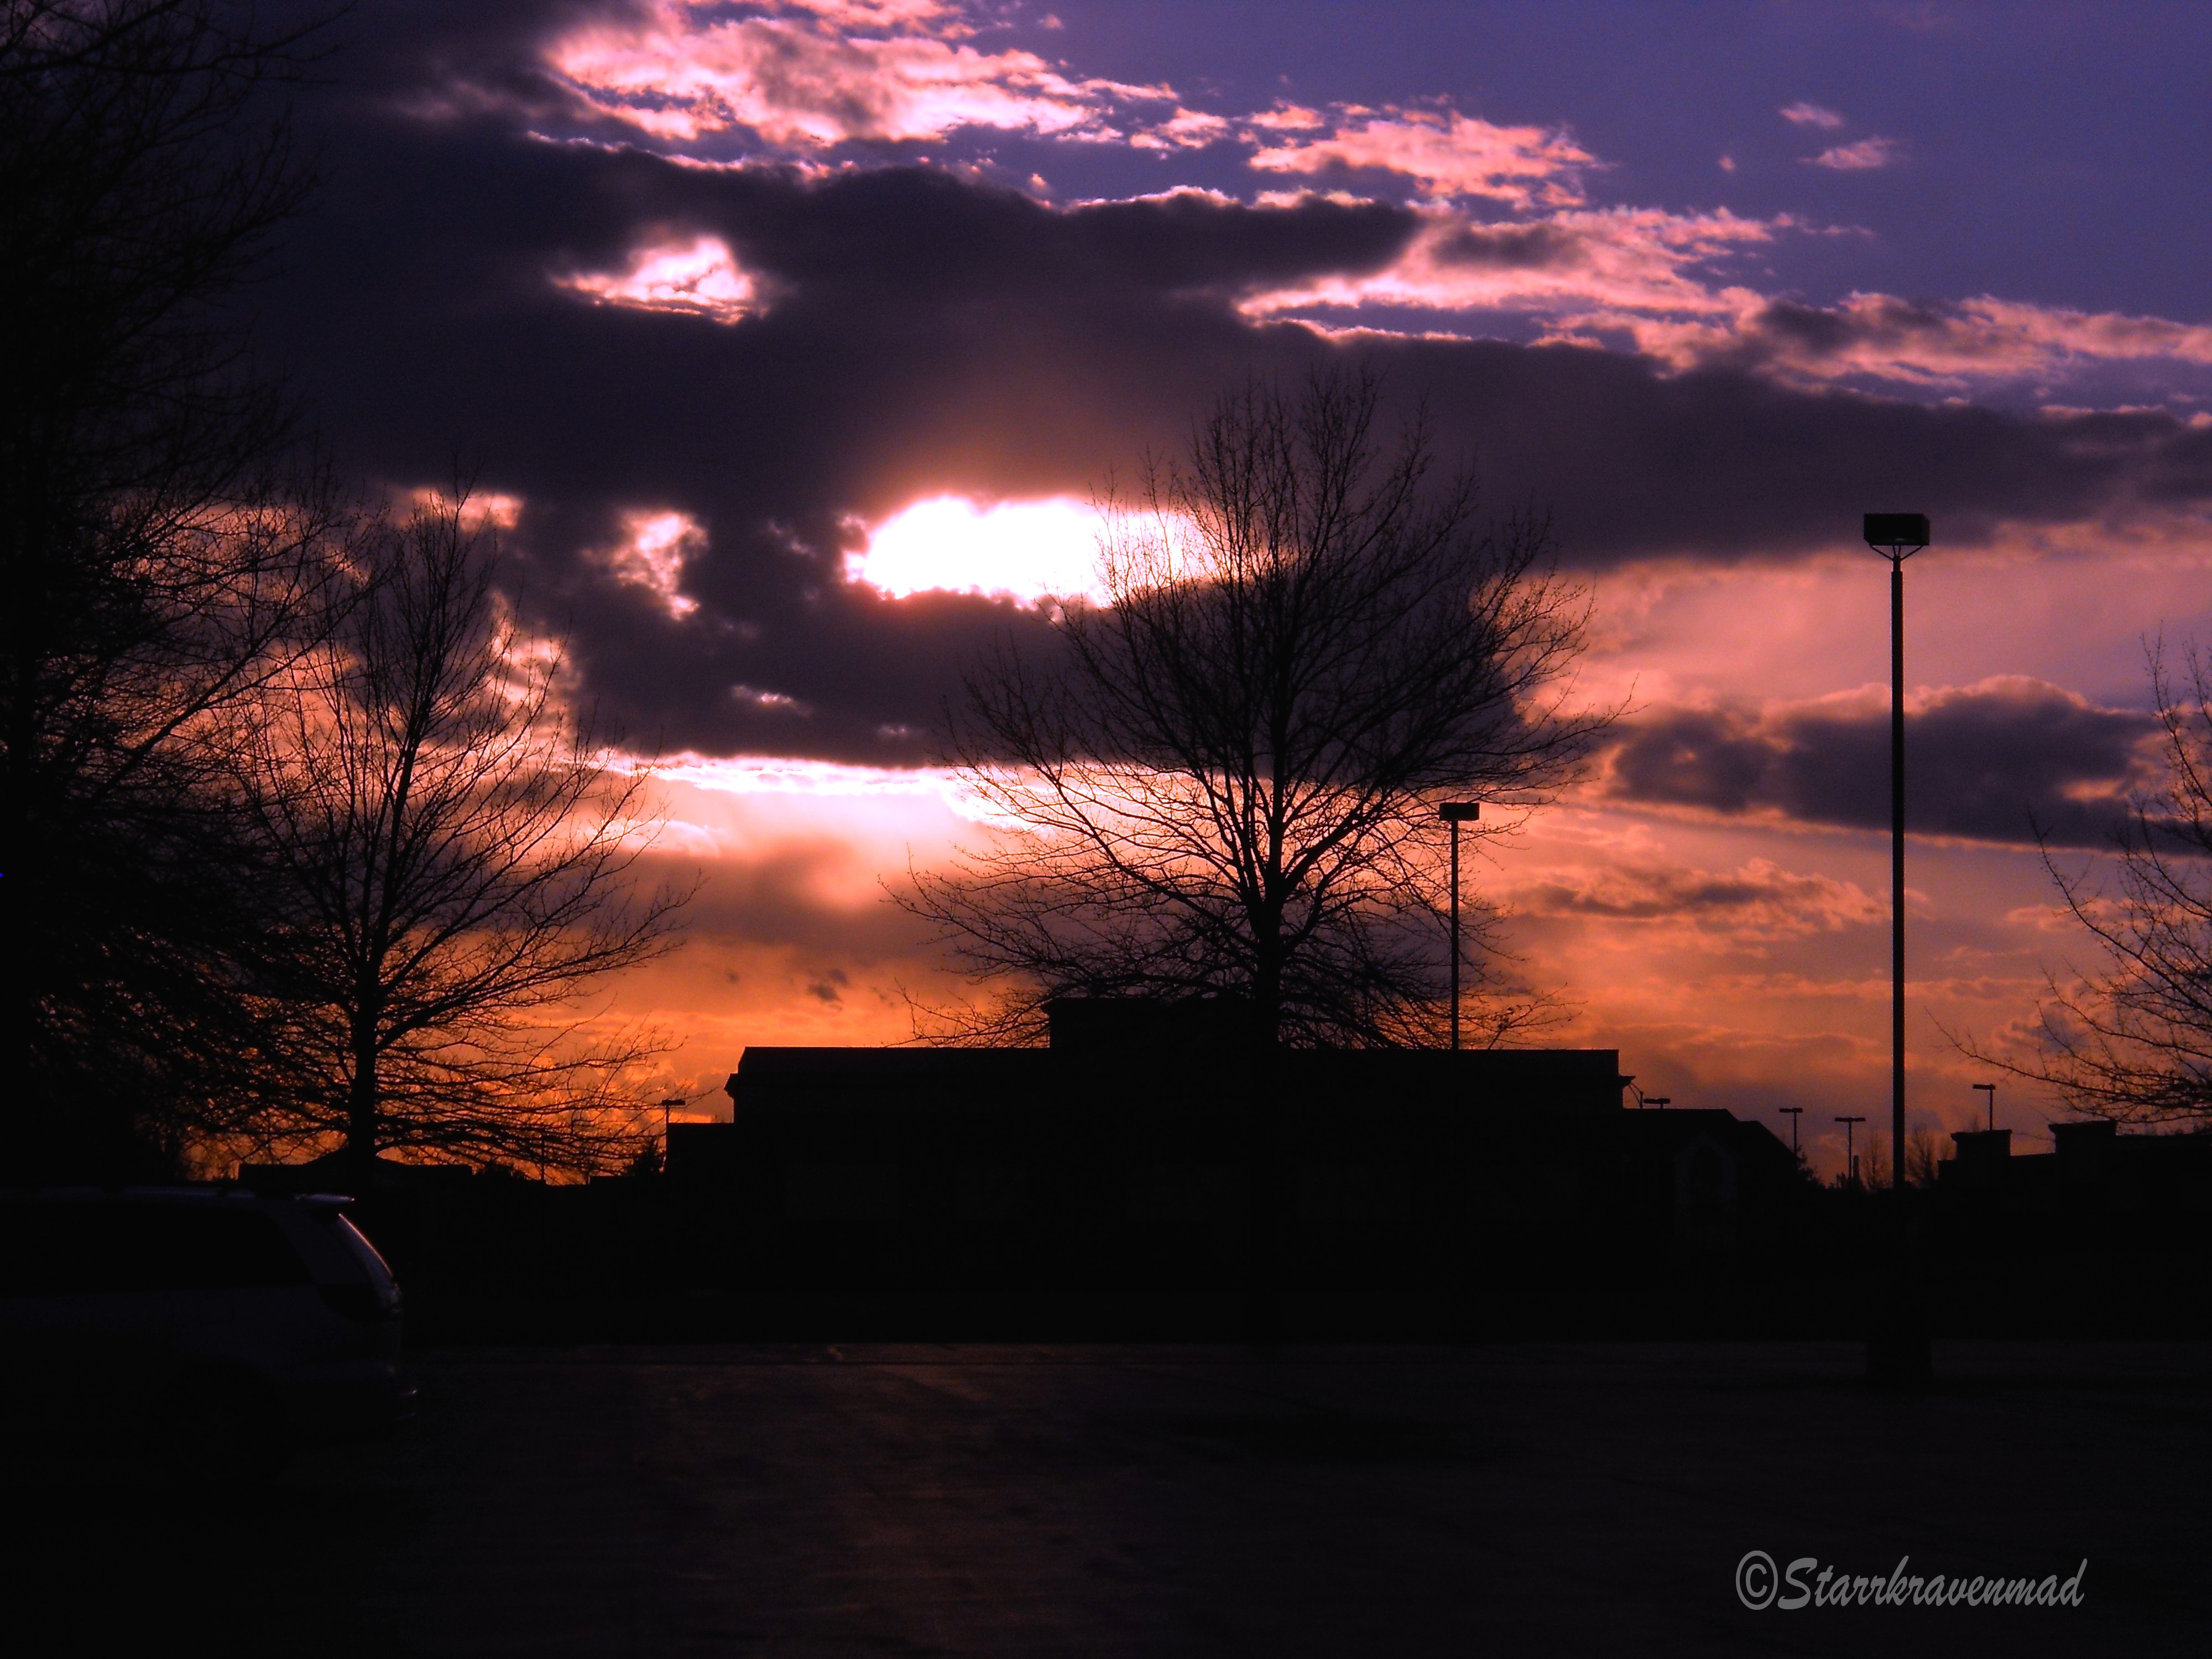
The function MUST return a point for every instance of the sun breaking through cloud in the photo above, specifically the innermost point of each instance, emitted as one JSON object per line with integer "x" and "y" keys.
{"x": 1027, "y": 550}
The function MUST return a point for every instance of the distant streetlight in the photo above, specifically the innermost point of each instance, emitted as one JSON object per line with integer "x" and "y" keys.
{"x": 1793, "y": 1113}
{"x": 1456, "y": 812}
{"x": 1850, "y": 1147}
{"x": 1897, "y": 536}
{"x": 1659, "y": 1102}
{"x": 1990, "y": 1098}
{"x": 666, "y": 1107}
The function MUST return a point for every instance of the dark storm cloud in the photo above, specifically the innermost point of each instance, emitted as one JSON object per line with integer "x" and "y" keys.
{"x": 923, "y": 334}
{"x": 926, "y": 332}
{"x": 1989, "y": 763}
{"x": 1720, "y": 464}
{"x": 1829, "y": 332}
{"x": 1511, "y": 247}
{"x": 1757, "y": 899}
{"x": 429, "y": 54}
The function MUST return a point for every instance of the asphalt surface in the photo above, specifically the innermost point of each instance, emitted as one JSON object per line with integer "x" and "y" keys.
{"x": 905, "y": 1500}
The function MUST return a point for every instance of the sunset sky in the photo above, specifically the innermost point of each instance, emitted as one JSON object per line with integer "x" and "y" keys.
{"x": 795, "y": 338}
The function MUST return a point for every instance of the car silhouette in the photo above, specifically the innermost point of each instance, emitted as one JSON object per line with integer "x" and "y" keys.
{"x": 214, "y": 1328}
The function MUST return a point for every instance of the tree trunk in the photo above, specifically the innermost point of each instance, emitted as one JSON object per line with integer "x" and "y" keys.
{"x": 361, "y": 1108}
{"x": 1264, "y": 1131}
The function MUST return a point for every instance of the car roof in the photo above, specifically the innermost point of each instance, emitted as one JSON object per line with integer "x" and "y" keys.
{"x": 207, "y": 1194}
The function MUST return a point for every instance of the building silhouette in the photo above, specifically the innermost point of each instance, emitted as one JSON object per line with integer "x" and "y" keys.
{"x": 1152, "y": 1158}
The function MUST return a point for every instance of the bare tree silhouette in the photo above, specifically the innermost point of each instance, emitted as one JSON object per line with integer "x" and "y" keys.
{"x": 1227, "y": 781}
{"x": 1923, "y": 1152}
{"x": 449, "y": 849}
{"x": 2131, "y": 1039}
{"x": 159, "y": 552}
{"x": 1874, "y": 1161}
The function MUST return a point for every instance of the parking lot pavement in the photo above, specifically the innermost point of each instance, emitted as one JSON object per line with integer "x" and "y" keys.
{"x": 897, "y": 1500}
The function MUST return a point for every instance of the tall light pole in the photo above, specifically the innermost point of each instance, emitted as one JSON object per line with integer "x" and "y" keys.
{"x": 1793, "y": 1113}
{"x": 1897, "y": 536}
{"x": 1990, "y": 1094}
{"x": 1454, "y": 813}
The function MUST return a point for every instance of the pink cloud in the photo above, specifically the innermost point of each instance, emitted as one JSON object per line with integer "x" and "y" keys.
{"x": 2017, "y": 336}
{"x": 1864, "y": 156}
{"x": 1648, "y": 276}
{"x": 1286, "y": 117}
{"x": 1613, "y": 263}
{"x": 1187, "y": 129}
{"x": 1445, "y": 153}
{"x": 1947, "y": 344}
{"x": 700, "y": 276}
{"x": 654, "y": 548}
{"x": 942, "y": 15}
{"x": 775, "y": 702}
{"x": 805, "y": 77}
{"x": 800, "y": 77}
{"x": 1803, "y": 114}
{"x": 482, "y": 510}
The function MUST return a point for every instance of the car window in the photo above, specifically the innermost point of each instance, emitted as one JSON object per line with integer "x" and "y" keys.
{"x": 78, "y": 1248}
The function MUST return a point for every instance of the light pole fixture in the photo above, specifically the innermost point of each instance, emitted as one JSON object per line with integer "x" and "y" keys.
{"x": 1850, "y": 1147}
{"x": 1454, "y": 813}
{"x": 1897, "y": 536}
{"x": 1990, "y": 1099}
{"x": 1658, "y": 1103}
{"x": 666, "y": 1107}
{"x": 1793, "y": 1113}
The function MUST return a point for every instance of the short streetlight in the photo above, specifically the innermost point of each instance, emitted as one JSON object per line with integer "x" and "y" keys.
{"x": 1793, "y": 1113}
{"x": 666, "y": 1107}
{"x": 1897, "y": 536}
{"x": 1990, "y": 1098}
{"x": 1659, "y": 1102}
{"x": 1454, "y": 813}
{"x": 1850, "y": 1147}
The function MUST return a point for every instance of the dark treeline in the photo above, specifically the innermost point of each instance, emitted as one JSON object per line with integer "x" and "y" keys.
{"x": 279, "y": 867}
